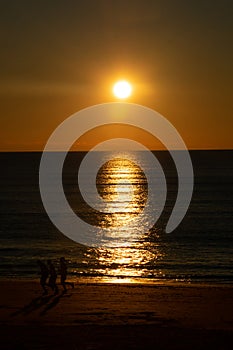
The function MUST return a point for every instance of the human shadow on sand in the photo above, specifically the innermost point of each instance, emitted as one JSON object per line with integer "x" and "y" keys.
{"x": 35, "y": 304}
{"x": 54, "y": 302}
{"x": 47, "y": 301}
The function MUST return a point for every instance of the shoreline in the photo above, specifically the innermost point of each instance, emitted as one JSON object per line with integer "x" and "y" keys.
{"x": 125, "y": 281}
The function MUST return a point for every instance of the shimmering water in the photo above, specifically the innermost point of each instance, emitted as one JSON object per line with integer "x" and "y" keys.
{"x": 199, "y": 250}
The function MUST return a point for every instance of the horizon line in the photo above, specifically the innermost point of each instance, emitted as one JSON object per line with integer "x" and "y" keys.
{"x": 151, "y": 150}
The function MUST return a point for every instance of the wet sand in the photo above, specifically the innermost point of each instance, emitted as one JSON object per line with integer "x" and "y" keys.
{"x": 116, "y": 316}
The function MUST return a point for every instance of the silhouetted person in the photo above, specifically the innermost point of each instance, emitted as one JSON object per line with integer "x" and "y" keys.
{"x": 63, "y": 271}
{"x": 44, "y": 274}
{"x": 52, "y": 277}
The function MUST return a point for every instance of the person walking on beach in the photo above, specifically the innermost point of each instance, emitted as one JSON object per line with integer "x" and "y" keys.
{"x": 63, "y": 271}
{"x": 44, "y": 274}
{"x": 52, "y": 277}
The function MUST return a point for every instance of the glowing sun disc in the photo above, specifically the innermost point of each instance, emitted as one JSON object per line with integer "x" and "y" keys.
{"x": 122, "y": 89}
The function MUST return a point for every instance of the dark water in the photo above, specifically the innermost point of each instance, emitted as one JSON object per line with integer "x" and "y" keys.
{"x": 199, "y": 250}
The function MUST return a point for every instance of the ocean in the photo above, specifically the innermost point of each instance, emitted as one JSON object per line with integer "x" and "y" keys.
{"x": 199, "y": 250}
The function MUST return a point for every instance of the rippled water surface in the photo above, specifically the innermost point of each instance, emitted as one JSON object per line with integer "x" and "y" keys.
{"x": 200, "y": 249}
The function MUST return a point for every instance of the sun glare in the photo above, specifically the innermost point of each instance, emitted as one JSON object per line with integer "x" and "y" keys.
{"x": 122, "y": 89}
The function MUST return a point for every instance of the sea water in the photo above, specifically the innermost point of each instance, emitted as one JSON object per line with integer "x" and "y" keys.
{"x": 200, "y": 249}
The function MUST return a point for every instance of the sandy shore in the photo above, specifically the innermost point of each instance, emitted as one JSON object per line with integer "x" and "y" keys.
{"x": 116, "y": 316}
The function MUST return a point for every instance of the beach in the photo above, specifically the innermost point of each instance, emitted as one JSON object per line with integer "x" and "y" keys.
{"x": 116, "y": 316}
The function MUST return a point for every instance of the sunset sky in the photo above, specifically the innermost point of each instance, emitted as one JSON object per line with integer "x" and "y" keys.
{"x": 58, "y": 57}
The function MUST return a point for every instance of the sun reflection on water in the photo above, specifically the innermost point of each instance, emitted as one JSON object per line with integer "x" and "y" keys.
{"x": 123, "y": 186}
{"x": 123, "y": 264}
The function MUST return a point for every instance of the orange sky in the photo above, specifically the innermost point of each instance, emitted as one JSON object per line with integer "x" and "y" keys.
{"x": 60, "y": 57}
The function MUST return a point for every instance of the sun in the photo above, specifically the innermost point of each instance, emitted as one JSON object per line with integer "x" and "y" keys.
{"x": 122, "y": 89}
